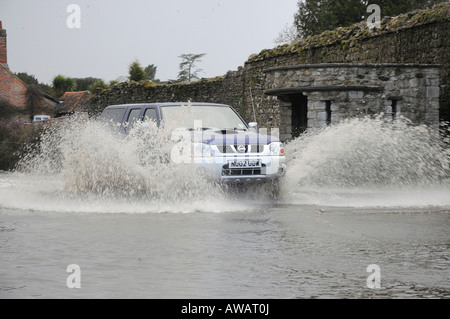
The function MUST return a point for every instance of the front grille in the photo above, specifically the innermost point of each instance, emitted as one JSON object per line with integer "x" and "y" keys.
{"x": 226, "y": 171}
{"x": 232, "y": 149}
{"x": 226, "y": 149}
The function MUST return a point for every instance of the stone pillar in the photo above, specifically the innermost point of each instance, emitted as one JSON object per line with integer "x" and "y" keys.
{"x": 285, "y": 120}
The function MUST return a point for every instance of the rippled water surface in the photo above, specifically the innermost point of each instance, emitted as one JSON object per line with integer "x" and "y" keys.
{"x": 356, "y": 194}
{"x": 271, "y": 251}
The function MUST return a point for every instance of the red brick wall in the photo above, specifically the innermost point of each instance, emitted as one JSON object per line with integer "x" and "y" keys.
{"x": 11, "y": 88}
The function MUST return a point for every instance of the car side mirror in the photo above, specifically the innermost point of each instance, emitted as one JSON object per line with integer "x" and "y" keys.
{"x": 253, "y": 127}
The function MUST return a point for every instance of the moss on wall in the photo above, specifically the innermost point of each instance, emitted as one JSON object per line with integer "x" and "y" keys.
{"x": 348, "y": 36}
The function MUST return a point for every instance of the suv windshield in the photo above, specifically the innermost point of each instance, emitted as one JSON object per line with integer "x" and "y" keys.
{"x": 202, "y": 116}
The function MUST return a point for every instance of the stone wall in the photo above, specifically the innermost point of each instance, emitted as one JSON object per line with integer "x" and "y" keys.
{"x": 226, "y": 89}
{"x": 333, "y": 92}
{"x": 419, "y": 37}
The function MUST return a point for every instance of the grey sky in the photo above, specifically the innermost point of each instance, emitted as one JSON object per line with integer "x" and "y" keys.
{"x": 114, "y": 33}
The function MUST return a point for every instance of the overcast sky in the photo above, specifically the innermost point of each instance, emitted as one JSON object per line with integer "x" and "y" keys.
{"x": 113, "y": 33}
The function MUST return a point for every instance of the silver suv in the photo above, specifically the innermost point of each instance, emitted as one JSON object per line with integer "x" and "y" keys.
{"x": 211, "y": 136}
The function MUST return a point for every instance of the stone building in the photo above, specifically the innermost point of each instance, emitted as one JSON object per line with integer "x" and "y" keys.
{"x": 314, "y": 95}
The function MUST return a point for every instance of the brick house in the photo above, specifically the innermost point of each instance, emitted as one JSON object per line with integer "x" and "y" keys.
{"x": 15, "y": 92}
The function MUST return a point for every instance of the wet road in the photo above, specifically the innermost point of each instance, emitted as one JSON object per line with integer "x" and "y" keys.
{"x": 271, "y": 251}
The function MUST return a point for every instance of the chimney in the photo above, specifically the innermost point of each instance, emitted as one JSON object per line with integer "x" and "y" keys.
{"x": 3, "y": 56}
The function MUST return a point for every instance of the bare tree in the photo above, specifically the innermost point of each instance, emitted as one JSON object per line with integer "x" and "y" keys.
{"x": 188, "y": 71}
{"x": 288, "y": 35}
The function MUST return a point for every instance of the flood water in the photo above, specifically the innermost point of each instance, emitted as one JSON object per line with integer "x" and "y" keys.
{"x": 344, "y": 206}
{"x": 276, "y": 251}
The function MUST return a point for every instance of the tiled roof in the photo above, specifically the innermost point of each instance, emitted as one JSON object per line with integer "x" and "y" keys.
{"x": 74, "y": 101}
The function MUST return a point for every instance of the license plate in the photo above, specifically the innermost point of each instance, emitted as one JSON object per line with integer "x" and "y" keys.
{"x": 245, "y": 164}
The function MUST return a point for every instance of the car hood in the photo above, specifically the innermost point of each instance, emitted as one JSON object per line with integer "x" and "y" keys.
{"x": 232, "y": 137}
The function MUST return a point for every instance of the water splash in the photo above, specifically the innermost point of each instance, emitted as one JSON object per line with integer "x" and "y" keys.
{"x": 86, "y": 162}
{"x": 369, "y": 162}
{"x": 81, "y": 166}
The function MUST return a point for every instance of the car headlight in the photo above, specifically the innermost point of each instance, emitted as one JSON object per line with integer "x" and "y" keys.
{"x": 201, "y": 149}
{"x": 276, "y": 148}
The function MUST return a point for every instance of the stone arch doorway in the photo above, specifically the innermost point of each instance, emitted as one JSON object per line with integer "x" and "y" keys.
{"x": 299, "y": 115}
{"x": 294, "y": 118}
